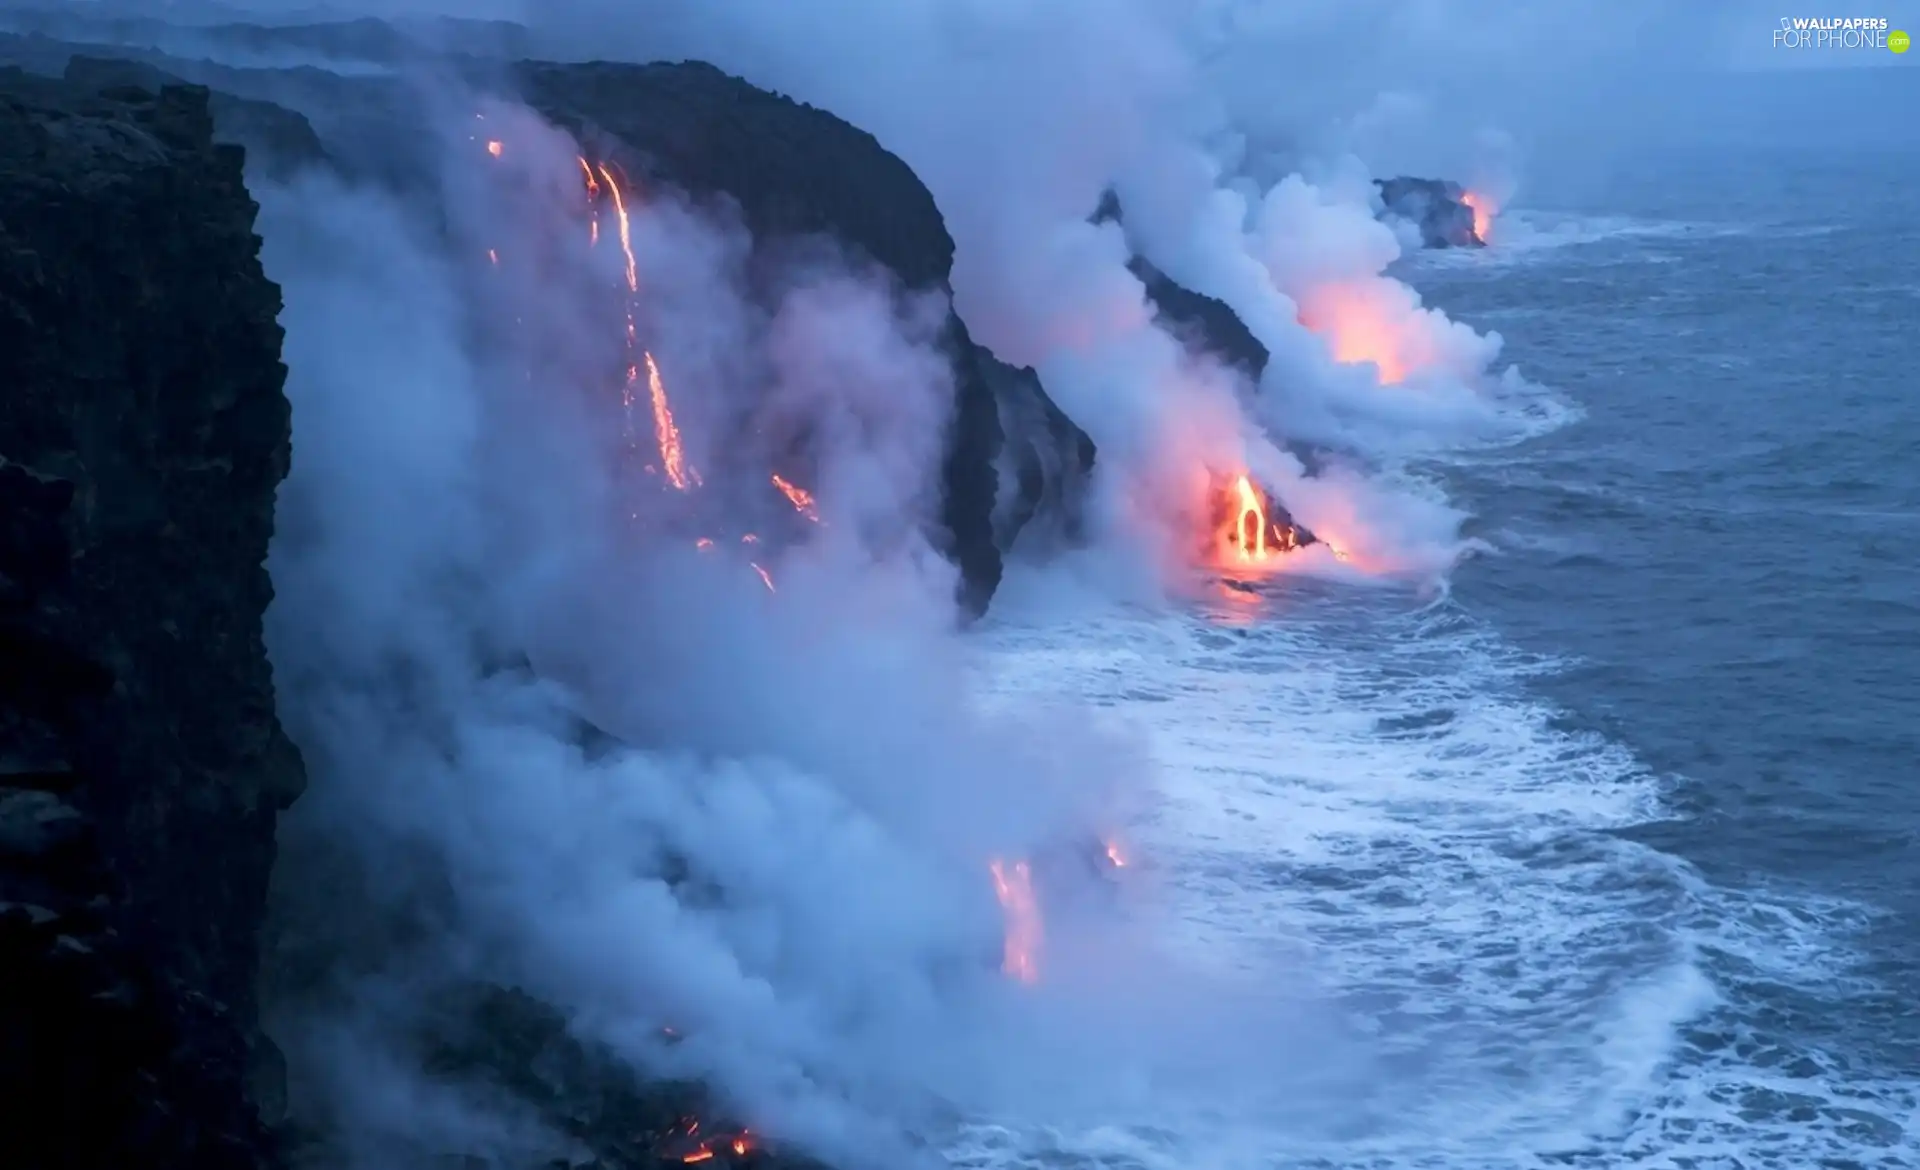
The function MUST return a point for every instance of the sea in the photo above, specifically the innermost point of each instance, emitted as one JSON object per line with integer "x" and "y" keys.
{"x": 1615, "y": 839}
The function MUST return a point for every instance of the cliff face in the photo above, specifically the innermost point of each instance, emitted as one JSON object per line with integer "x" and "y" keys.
{"x": 794, "y": 171}
{"x": 143, "y": 432}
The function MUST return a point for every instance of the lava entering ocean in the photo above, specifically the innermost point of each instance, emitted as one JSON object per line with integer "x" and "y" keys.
{"x": 1484, "y": 209}
{"x": 1249, "y": 530}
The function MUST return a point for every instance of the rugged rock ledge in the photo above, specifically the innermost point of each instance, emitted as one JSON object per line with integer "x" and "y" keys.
{"x": 142, "y": 437}
{"x": 1437, "y": 207}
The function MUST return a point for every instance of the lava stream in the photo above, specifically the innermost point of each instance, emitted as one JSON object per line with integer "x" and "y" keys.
{"x": 666, "y": 432}
{"x": 1245, "y": 535}
{"x": 800, "y": 498}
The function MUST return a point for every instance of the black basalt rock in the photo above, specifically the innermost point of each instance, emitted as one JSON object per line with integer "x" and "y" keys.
{"x": 142, "y": 435}
{"x": 1437, "y": 207}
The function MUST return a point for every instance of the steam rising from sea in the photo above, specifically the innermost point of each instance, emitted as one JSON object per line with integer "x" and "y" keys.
{"x": 558, "y": 745}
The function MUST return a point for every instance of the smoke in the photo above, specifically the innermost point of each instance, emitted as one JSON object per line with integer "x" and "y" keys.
{"x": 1019, "y": 116}
{"x": 742, "y": 790}
{"x": 560, "y": 745}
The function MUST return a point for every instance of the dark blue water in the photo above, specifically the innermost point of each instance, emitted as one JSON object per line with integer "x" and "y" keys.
{"x": 1726, "y": 552}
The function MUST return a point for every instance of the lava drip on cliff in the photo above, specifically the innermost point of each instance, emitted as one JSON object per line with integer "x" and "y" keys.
{"x": 666, "y": 432}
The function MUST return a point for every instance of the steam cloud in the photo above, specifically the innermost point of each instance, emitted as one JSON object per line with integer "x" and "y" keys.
{"x": 558, "y": 746}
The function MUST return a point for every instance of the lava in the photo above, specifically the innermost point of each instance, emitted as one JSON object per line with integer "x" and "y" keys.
{"x": 1245, "y": 533}
{"x": 495, "y": 147}
{"x": 1115, "y": 855}
{"x": 666, "y": 432}
{"x": 679, "y": 473}
{"x": 800, "y": 498}
{"x": 765, "y": 578}
{"x": 739, "y": 1144}
{"x": 1013, "y": 884}
{"x": 1484, "y": 209}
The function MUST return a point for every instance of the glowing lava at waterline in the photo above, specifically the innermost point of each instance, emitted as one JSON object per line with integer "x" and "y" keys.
{"x": 1483, "y": 213}
{"x": 1245, "y": 533}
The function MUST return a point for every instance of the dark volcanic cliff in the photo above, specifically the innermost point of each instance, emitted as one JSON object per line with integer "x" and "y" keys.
{"x": 795, "y": 170}
{"x": 143, "y": 433}
{"x": 791, "y": 169}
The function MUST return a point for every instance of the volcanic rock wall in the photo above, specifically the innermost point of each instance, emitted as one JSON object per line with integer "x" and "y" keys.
{"x": 143, "y": 432}
{"x": 795, "y": 170}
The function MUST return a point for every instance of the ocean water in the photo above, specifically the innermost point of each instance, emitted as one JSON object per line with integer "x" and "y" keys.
{"x": 1612, "y": 849}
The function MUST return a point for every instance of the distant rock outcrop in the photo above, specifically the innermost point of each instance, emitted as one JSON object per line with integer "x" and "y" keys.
{"x": 142, "y": 437}
{"x": 1437, "y": 207}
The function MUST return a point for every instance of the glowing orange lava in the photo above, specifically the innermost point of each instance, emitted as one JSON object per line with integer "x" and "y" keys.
{"x": 666, "y": 432}
{"x": 1244, "y": 535}
{"x": 496, "y": 148}
{"x": 1014, "y": 886}
{"x": 765, "y": 579}
{"x": 679, "y": 474}
{"x": 800, "y": 498}
{"x": 739, "y": 1144}
{"x": 1115, "y": 855}
{"x": 1484, "y": 210}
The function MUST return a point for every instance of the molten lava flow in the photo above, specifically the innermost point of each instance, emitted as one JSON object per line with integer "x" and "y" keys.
{"x": 1014, "y": 886}
{"x": 666, "y": 432}
{"x": 739, "y": 1143}
{"x": 765, "y": 578}
{"x": 1244, "y": 534}
{"x": 800, "y": 498}
{"x": 1483, "y": 212}
{"x": 679, "y": 474}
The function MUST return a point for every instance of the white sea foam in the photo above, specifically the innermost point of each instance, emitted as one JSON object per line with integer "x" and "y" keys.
{"x": 1359, "y": 792}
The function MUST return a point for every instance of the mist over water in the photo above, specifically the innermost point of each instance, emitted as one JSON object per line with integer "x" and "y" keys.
{"x": 1382, "y": 902}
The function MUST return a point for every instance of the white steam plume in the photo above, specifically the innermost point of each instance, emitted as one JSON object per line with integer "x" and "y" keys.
{"x": 785, "y": 858}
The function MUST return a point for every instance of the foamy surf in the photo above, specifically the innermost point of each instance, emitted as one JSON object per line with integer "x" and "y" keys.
{"x": 1359, "y": 793}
